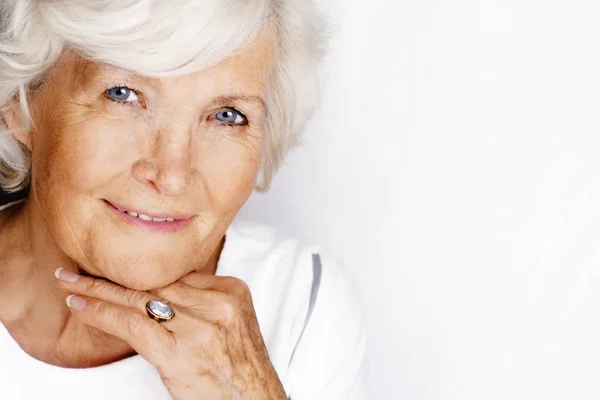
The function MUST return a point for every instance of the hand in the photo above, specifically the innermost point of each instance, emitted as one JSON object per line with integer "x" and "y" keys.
{"x": 211, "y": 349}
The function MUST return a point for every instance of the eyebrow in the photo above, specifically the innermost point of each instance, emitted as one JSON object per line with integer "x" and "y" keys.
{"x": 248, "y": 99}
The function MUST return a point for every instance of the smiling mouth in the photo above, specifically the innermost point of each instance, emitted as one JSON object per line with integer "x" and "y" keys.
{"x": 144, "y": 217}
{"x": 150, "y": 221}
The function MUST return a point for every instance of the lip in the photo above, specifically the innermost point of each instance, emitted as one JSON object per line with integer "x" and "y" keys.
{"x": 179, "y": 221}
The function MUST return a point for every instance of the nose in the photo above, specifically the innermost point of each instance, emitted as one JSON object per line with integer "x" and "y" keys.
{"x": 168, "y": 169}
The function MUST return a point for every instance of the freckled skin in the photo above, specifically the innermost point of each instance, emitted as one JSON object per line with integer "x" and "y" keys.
{"x": 165, "y": 153}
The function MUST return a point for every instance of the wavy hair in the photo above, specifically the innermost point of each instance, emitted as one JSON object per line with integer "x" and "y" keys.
{"x": 160, "y": 38}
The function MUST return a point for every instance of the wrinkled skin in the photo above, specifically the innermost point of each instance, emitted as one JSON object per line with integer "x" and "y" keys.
{"x": 188, "y": 146}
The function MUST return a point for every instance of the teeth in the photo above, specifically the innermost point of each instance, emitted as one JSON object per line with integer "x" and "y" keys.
{"x": 144, "y": 217}
{"x": 147, "y": 218}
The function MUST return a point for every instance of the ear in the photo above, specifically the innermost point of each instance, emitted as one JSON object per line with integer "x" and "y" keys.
{"x": 16, "y": 123}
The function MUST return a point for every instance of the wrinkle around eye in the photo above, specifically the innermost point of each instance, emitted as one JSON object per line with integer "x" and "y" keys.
{"x": 82, "y": 113}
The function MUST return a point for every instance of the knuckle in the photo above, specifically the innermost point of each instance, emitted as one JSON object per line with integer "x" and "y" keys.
{"x": 229, "y": 309}
{"x": 135, "y": 322}
{"x": 90, "y": 284}
{"x": 136, "y": 298}
{"x": 99, "y": 310}
{"x": 95, "y": 286}
{"x": 238, "y": 286}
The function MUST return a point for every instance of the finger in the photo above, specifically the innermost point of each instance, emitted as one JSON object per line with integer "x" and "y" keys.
{"x": 101, "y": 289}
{"x": 227, "y": 284}
{"x": 110, "y": 292}
{"x": 146, "y": 336}
{"x": 188, "y": 296}
{"x": 215, "y": 307}
{"x": 200, "y": 280}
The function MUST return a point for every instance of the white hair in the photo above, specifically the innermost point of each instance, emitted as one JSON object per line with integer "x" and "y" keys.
{"x": 160, "y": 38}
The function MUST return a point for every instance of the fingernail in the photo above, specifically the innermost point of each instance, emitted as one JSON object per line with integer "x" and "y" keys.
{"x": 76, "y": 302}
{"x": 66, "y": 275}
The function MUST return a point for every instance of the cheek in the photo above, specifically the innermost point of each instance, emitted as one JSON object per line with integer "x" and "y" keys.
{"x": 86, "y": 155}
{"x": 230, "y": 174}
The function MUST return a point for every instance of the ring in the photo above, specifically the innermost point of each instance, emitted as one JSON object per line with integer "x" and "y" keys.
{"x": 159, "y": 310}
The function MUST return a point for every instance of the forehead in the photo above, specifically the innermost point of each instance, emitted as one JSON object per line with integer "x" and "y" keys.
{"x": 249, "y": 67}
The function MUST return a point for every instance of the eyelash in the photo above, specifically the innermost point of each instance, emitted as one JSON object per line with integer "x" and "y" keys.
{"x": 225, "y": 124}
{"x": 225, "y": 108}
{"x": 126, "y": 103}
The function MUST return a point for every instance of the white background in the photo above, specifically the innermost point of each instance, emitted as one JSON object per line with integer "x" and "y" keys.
{"x": 453, "y": 164}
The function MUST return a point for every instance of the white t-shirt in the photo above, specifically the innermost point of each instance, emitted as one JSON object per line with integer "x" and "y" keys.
{"x": 308, "y": 314}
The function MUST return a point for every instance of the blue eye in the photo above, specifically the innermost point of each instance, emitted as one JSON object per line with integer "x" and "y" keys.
{"x": 230, "y": 116}
{"x": 122, "y": 94}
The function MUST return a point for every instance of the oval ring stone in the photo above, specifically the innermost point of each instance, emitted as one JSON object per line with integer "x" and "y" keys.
{"x": 159, "y": 310}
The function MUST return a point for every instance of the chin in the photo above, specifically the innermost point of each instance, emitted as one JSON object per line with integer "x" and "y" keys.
{"x": 137, "y": 271}
{"x": 141, "y": 286}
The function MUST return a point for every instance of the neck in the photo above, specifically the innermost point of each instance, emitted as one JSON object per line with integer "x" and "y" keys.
{"x": 24, "y": 265}
{"x": 29, "y": 255}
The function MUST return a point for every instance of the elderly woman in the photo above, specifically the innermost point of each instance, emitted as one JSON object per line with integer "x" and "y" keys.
{"x": 140, "y": 128}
